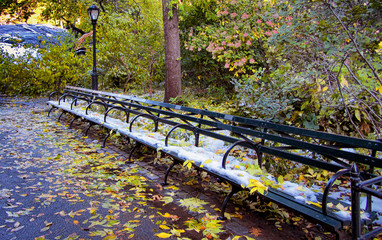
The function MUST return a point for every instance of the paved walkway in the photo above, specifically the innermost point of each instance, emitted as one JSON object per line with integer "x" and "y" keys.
{"x": 55, "y": 183}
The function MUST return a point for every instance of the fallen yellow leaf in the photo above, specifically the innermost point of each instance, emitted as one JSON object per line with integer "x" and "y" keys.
{"x": 163, "y": 235}
{"x": 164, "y": 227}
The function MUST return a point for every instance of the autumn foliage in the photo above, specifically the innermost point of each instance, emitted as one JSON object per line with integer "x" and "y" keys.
{"x": 311, "y": 64}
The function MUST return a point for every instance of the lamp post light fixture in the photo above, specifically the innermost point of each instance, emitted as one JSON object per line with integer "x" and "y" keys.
{"x": 93, "y": 12}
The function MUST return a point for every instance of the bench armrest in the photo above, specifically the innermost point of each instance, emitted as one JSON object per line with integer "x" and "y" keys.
{"x": 329, "y": 185}
{"x": 145, "y": 115}
{"x": 54, "y": 93}
{"x": 248, "y": 143}
{"x": 193, "y": 129}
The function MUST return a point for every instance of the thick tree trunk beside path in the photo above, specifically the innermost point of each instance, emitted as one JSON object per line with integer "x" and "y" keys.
{"x": 172, "y": 51}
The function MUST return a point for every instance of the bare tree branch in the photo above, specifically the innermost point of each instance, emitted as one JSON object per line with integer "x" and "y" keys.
{"x": 360, "y": 83}
{"x": 352, "y": 38}
{"x": 343, "y": 99}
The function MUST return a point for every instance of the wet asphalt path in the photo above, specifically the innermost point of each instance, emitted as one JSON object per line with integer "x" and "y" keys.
{"x": 35, "y": 201}
{"x": 55, "y": 183}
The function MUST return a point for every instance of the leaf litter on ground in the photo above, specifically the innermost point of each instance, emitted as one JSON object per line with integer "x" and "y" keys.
{"x": 62, "y": 165}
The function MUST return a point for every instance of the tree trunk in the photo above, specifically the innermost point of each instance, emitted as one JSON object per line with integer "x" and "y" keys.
{"x": 172, "y": 53}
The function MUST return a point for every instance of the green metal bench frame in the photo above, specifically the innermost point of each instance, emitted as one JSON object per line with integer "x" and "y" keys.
{"x": 273, "y": 140}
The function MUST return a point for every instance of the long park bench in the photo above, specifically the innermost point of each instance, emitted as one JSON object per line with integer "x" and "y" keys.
{"x": 337, "y": 186}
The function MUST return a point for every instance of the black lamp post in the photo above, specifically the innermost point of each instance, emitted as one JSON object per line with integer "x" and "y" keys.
{"x": 93, "y": 11}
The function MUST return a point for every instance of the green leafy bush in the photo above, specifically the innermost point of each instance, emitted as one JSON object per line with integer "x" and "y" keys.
{"x": 54, "y": 67}
{"x": 310, "y": 64}
{"x": 131, "y": 47}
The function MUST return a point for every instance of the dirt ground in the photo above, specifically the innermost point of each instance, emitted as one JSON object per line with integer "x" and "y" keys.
{"x": 36, "y": 197}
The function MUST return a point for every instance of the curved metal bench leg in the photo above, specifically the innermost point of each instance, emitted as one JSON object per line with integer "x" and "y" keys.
{"x": 164, "y": 183}
{"x": 90, "y": 125}
{"x": 233, "y": 191}
{"x": 61, "y": 115}
{"x": 74, "y": 119}
{"x": 104, "y": 141}
{"x": 137, "y": 145}
{"x": 51, "y": 110}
